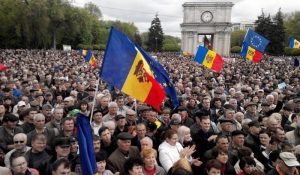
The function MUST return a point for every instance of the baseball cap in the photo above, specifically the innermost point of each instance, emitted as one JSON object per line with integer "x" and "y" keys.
{"x": 75, "y": 111}
{"x": 289, "y": 159}
{"x": 21, "y": 103}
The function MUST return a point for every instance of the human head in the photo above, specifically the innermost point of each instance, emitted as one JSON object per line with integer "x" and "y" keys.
{"x": 101, "y": 163}
{"x": 219, "y": 154}
{"x": 112, "y": 108}
{"x": 61, "y": 166}
{"x": 182, "y": 167}
{"x": 38, "y": 143}
{"x": 149, "y": 156}
{"x": 18, "y": 162}
{"x": 133, "y": 165}
{"x": 171, "y": 137}
{"x": 247, "y": 164}
{"x": 111, "y": 126}
{"x": 141, "y": 130}
{"x": 146, "y": 142}
{"x": 104, "y": 134}
{"x": 67, "y": 124}
{"x": 287, "y": 163}
{"x": 184, "y": 134}
{"x": 20, "y": 141}
{"x": 213, "y": 167}
{"x": 124, "y": 141}
{"x": 62, "y": 147}
{"x": 222, "y": 142}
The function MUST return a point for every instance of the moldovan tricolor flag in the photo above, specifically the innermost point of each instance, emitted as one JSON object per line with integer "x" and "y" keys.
{"x": 209, "y": 59}
{"x": 294, "y": 43}
{"x": 125, "y": 68}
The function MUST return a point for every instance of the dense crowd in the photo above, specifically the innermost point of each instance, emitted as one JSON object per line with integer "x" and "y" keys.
{"x": 243, "y": 120}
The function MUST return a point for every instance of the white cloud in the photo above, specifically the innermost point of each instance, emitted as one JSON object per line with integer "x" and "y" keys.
{"x": 243, "y": 10}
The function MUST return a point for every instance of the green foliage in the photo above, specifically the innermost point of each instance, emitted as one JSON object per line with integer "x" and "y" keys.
{"x": 292, "y": 25}
{"x": 236, "y": 49}
{"x": 237, "y": 38}
{"x": 291, "y": 51}
{"x": 288, "y": 51}
{"x": 47, "y": 23}
{"x": 171, "y": 48}
{"x": 156, "y": 36}
{"x": 273, "y": 30}
{"x": 295, "y": 52}
{"x": 144, "y": 37}
{"x": 84, "y": 46}
{"x": 93, "y": 10}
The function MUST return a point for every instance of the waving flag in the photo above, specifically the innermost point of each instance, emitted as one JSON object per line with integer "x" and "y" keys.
{"x": 161, "y": 76}
{"x": 3, "y": 67}
{"x": 125, "y": 68}
{"x": 90, "y": 58}
{"x": 253, "y": 46}
{"x": 294, "y": 43}
{"x": 86, "y": 148}
{"x": 209, "y": 59}
{"x": 184, "y": 53}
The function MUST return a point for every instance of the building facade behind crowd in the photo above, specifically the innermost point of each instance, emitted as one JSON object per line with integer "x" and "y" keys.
{"x": 237, "y": 121}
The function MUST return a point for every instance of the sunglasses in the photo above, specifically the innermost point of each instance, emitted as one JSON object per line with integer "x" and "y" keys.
{"x": 21, "y": 141}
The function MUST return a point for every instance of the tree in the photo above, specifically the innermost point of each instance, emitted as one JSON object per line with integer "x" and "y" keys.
{"x": 138, "y": 39}
{"x": 237, "y": 38}
{"x": 93, "y": 10}
{"x": 292, "y": 25}
{"x": 156, "y": 36}
{"x": 273, "y": 31}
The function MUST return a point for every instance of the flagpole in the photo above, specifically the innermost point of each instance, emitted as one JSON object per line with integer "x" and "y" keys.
{"x": 92, "y": 112}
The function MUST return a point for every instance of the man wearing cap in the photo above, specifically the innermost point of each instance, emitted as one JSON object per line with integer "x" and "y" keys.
{"x": 8, "y": 131}
{"x": 196, "y": 126}
{"x": 237, "y": 141}
{"x": 39, "y": 123}
{"x": 116, "y": 160}
{"x": 251, "y": 112}
{"x": 260, "y": 95}
{"x": 32, "y": 95}
{"x": 68, "y": 101}
{"x": 21, "y": 107}
{"x": 252, "y": 139}
{"x": 296, "y": 105}
{"x": 286, "y": 165}
{"x": 28, "y": 126}
{"x": 62, "y": 150}
{"x": 49, "y": 99}
{"x": 143, "y": 112}
{"x": 287, "y": 117}
{"x": 265, "y": 109}
{"x": 97, "y": 121}
{"x": 8, "y": 93}
{"x": 185, "y": 119}
{"x": 91, "y": 95}
{"x": 229, "y": 114}
{"x": 226, "y": 127}
{"x": 130, "y": 118}
{"x": 46, "y": 111}
{"x": 35, "y": 104}
{"x": 120, "y": 124}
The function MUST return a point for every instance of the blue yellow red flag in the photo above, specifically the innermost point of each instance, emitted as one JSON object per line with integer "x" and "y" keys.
{"x": 82, "y": 52}
{"x": 250, "y": 53}
{"x": 90, "y": 58}
{"x": 256, "y": 41}
{"x": 85, "y": 142}
{"x": 161, "y": 76}
{"x": 124, "y": 67}
{"x": 294, "y": 43}
{"x": 209, "y": 59}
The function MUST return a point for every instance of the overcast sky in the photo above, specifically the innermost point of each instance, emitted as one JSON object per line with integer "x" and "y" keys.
{"x": 142, "y": 12}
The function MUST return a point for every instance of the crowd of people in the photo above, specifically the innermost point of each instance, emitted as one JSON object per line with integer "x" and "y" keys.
{"x": 243, "y": 120}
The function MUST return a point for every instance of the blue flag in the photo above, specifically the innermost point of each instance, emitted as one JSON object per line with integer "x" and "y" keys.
{"x": 161, "y": 76}
{"x": 256, "y": 41}
{"x": 86, "y": 148}
{"x": 296, "y": 62}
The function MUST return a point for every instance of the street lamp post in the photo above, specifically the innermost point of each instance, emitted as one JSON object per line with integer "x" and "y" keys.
{"x": 156, "y": 43}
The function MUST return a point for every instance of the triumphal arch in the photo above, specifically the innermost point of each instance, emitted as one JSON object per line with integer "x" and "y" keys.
{"x": 211, "y": 19}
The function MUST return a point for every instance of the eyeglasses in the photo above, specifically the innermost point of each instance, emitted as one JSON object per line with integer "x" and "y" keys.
{"x": 21, "y": 164}
{"x": 21, "y": 141}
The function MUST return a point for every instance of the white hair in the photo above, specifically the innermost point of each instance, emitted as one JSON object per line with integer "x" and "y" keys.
{"x": 176, "y": 116}
{"x": 269, "y": 96}
{"x": 38, "y": 115}
{"x": 109, "y": 123}
{"x": 21, "y": 134}
{"x": 112, "y": 103}
{"x": 181, "y": 132}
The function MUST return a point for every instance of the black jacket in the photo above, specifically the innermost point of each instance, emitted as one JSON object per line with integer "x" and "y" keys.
{"x": 7, "y": 139}
{"x": 27, "y": 127}
{"x": 252, "y": 142}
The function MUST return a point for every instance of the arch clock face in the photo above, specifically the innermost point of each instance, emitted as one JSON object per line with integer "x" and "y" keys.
{"x": 206, "y": 16}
